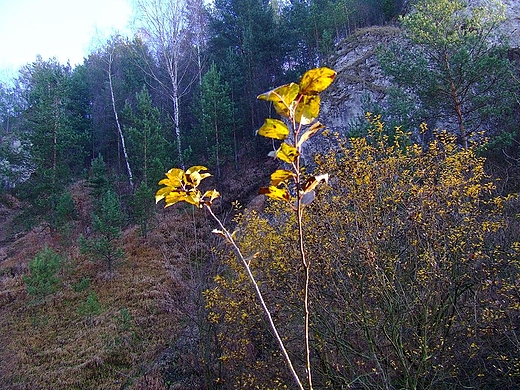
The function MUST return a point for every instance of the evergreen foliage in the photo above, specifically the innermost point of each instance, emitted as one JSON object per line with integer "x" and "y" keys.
{"x": 43, "y": 279}
{"x": 90, "y": 307}
{"x": 454, "y": 65}
{"x": 57, "y": 148}
{"x": 143, "y": 207}
{"x": 149, "y": 150}
{"x": 98, "y": 178}
{"x": 107, "y": 223}
{"x": 216, "y": 126}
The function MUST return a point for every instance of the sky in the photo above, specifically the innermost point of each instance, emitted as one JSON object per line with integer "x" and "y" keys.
{"x": 66, "y": 29}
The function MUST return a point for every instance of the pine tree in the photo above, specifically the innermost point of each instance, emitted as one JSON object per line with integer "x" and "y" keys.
{"x": 149, "y": 149}
{"x": 57, "y": 147}
{"x": 453, "y": 65}
{"x": 215, "y": 116}
{"x": 43, "y": 279}
{"x": 106, "y": 230}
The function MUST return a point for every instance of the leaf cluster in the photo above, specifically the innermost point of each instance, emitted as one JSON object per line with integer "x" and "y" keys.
{"x": 300, "y": 105}
{"x": 181, "y": 186}
{"x": 407, "y": 241}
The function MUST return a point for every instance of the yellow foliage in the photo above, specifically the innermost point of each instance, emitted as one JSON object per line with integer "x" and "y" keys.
{"x": 401, "y": 246}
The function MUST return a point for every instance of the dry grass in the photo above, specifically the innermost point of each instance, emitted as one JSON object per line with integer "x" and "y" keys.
{"x": 148, "y": 310}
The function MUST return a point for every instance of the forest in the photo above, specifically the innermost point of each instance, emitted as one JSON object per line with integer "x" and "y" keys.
{"x": 300, "y": 251}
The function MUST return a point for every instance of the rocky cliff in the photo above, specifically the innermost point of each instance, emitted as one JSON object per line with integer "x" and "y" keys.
{"x": 360, "y": 78}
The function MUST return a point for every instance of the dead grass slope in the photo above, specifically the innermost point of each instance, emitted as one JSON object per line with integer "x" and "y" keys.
{"x": 145, "y": 334}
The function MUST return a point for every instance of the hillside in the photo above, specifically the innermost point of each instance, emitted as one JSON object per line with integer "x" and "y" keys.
{"x": 140, "y": 327}
{"x": 382, "y": 240}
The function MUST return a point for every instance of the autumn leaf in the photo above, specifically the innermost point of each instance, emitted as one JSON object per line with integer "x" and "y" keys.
{"x": 174, "y": 197}
{"x": 287, "y": 153}
{"x": 275, "y": 193}
{"x": 310, "y": 132}
{"x": 316, "y": 80}
{"x": 194, "y": 177}
{"x": 313, "y": 181}
{"x": 280, "y": 176}
{"x": 212, "y": 195}
{"x": 308, "y": 109}
{"x": 274, "y": 128}
{"x": 173, "y": 178}
{"x": 193, "y": 197}
{"x": 282, "y": 98}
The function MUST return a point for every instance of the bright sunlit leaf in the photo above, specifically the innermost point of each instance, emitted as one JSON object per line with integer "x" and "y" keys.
{"x": 316, "y": 80}
{"x": 162, "y": 192}
{"x": 274, "y": 128}
{"x": 280, "y": 176}
{"x": 287, "y": 153}
{"x": 308, "y": 109}
{"x": 282, "y": 98}
{"x": 310, "y": 132}
{"x": 212, "y": 195}
{"x": 173, "y": 178}
{"x": 194, "y": 177}
{"x": 276, "y": 193}
{"x": 174, "y": 197}
{"x": 196, "y": 168}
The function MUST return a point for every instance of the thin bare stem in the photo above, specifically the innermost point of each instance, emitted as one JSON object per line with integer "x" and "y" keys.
{"x": 259, "y": 295}
{"x": 306, "y": 264}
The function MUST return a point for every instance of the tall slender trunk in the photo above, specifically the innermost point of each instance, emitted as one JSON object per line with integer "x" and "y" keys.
{"x": 145, "y": 163}
{"x": 55, "y": 142}
{"x": 217, "y": 142}
{"x": 121, "y": 136}
{"x": 54, "y": 161}
{"x": 457, "y": 105}
{"x": 174, "y": 76}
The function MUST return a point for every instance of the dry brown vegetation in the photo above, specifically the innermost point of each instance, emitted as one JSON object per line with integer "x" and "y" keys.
{"x": 144, "y": 333}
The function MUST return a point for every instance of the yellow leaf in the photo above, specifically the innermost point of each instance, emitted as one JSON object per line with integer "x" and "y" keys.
{"x": 212, "y": 195}
{"x": 193, "y": 176}
{"x": 310, "y": 132}
{"x": 274, "y": 128}
{"x": 161, "y": 193}
{"x": 174, "y": 197}
{"x": 173, "y": 178}
{"x": 282, "y": 98}
{"x": 308, "y": 109}
{"x": 280, "y": 176}
{"x": 196, "y": 168}
{"x": 193, "y": 197}
{"x": 287, "y": 153}
{"x": 276, "y": 193}
{"x": 316, "y": 80}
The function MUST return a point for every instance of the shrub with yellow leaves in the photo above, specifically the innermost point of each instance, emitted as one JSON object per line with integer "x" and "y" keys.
{"x": 417, "y": 285}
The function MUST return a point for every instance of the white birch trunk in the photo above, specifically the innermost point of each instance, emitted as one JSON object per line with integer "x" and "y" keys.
{"x": 121, "y": 136}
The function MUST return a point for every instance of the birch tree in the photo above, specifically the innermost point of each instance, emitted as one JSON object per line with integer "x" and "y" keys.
{"x": 164, "y": 26}
{"x": 110, "y": 61}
